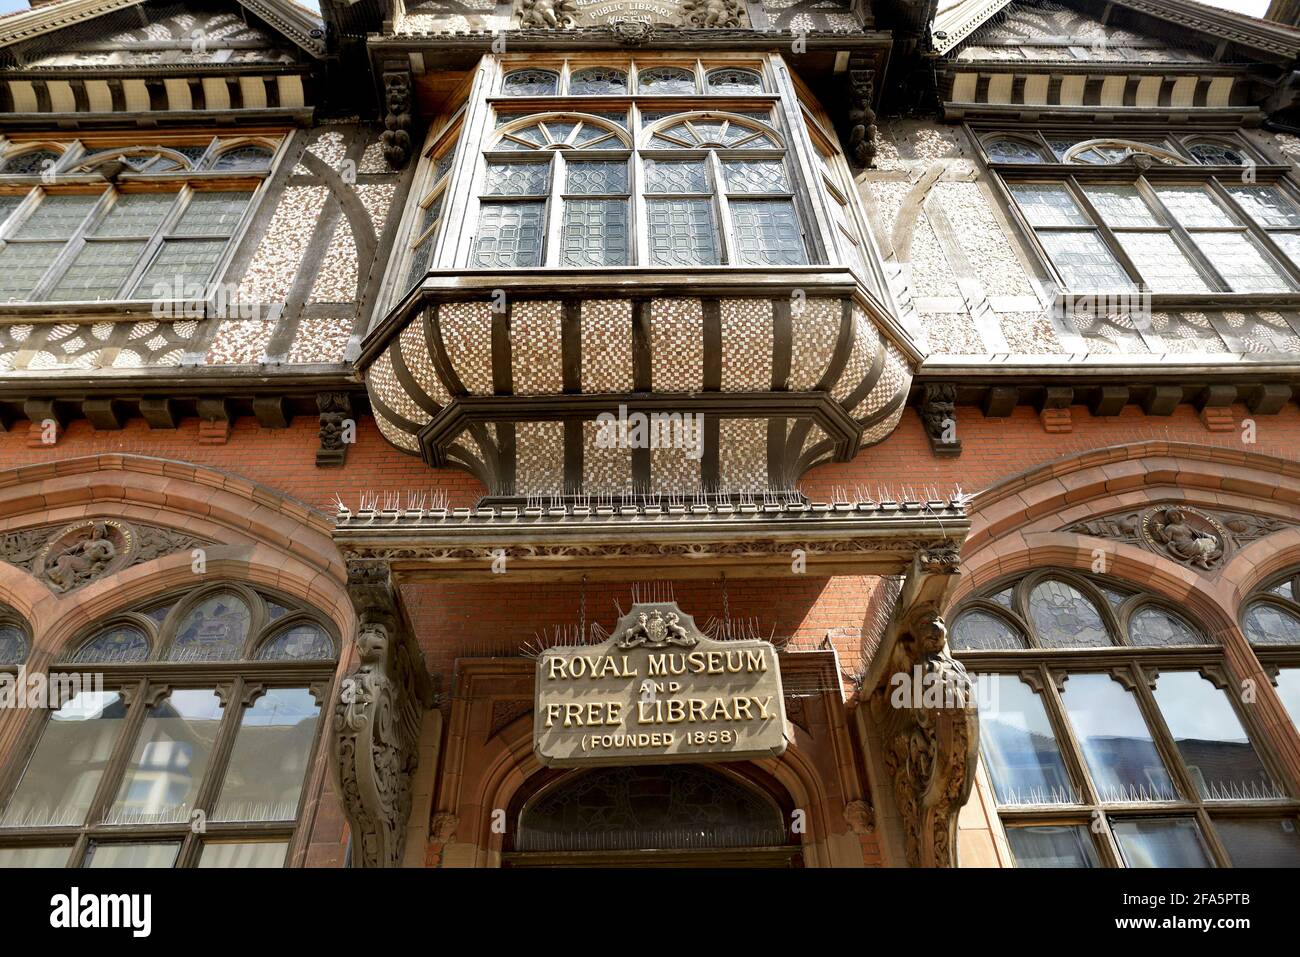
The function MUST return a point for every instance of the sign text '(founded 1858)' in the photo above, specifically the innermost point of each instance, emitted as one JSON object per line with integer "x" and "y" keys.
{"x": 658, "y": 691}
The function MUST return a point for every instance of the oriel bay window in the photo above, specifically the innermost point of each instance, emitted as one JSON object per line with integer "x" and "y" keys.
{"x": 1164, "y": 215}
{"x": 1113, "y": 734}
{"x": 195, "y": 751}
{"x": 615, "y": 163}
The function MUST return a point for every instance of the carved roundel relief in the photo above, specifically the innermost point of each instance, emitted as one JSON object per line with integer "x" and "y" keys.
{"x": 1187, "y": 535}
{"x": 83, "y": 552}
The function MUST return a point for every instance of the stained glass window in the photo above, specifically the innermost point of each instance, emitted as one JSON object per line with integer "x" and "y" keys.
{"x": 595, "y": 81}
{"x": 118, "y": 643}
{"x": 768, "y": 232}
{"x": 665, "y": 79}
{"x": 243, "y": 158}
{"x": 1216, "y": 154}
{"x": 1064, "y": 618}
{"x": 730, "y": 81}
{"x": 1155, "y": 627}
{"x": 298, "y": 643}
{"x": 681, "y": 232}
{"x": 1012, "y": 151}
{"x": 1269, "y": 624}
{"x": 595, "y": 233}
{"x": 531, "y": 83}
{"x": 13, "y": 644}
{"x": 978, "y": 630}
{"x": 30, "y": 163}
{"x": 214, "y": 631}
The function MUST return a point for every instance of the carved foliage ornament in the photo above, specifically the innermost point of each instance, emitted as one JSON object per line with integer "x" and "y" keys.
{"x": 1193, "y": 537}
{"x": 930, "y": 732}
{"x": 64, "y": 558}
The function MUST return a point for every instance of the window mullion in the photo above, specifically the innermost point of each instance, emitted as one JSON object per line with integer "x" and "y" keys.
{"x": 1071, "y": 752}
{"x": 555, "y": 212}
{"x": 1164, "y": 740}
{"x": 724, "y": 232}
{"x": 139, "y": 699}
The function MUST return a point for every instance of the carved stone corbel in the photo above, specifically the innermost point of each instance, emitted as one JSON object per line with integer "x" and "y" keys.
{"x": 396, "y": 137}
{"x": 923, "y": 703}
{"x": 377, "y": 717}
{"x": 939, "y": 416}
{"x": 862, "y": 118}
{"x": 335, "y": 411}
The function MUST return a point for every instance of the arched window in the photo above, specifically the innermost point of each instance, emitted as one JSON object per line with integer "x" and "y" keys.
{"x": 675, "y": 807}
{"x": 1101, "y": 701}
{"x": 243, "y": 158}
{"x": 1213, "y": 153}
{"x": 14, "y": 641}
{"x": 195, "y": 706}
{"x": 531, "y": 83}
{"x": 1010, "y": 150}
{"x": 597, "y": 81}
{"x": 666, "y": 80}
{"x": 734, "y": 82}
{"x": 30, "y": 162}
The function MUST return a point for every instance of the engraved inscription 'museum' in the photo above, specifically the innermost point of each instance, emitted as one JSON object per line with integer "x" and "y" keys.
{"x": 658, "y": 691}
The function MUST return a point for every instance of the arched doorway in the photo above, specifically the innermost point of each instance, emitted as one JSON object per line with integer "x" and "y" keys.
{"x": 667, "y": 815}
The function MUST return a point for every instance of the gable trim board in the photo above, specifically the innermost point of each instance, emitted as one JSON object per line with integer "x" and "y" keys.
{"x": 1113, "y": 91}
{"x": 961, "y": 20}
{"x": 286, "y": 18}
{"x": 89, "y": 98}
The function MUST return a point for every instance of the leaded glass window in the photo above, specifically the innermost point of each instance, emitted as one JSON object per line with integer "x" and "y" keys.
{"x": 1112, "y": 731}
{"x": 595, "y": 81}
{"x": 430, "y": 210}
{"x": 13, "y": 640}
{"x": 30, "y": 162}
{"x": 210, "y": 708}
{"x": 243, "y": 158}
{"x": 665, "y": 80}
{"x": 1166, "y": 228}
{"x": 734, "y": 81}
{"x": 531, "y": 83}
{"x": 159, "y": 245}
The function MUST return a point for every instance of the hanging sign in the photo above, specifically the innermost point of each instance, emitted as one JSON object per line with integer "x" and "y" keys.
{"x": 658, "y": 691}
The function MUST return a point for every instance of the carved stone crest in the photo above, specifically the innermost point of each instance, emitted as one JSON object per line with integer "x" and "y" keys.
{"x": 657, "y": 631}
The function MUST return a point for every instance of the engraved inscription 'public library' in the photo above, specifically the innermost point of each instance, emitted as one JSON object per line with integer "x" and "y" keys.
{"x": 658, "y": 691}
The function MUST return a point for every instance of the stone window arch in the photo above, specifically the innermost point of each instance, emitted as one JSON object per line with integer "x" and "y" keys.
{"x": 193, "y": 705}
{"x": 1101, "y": 700}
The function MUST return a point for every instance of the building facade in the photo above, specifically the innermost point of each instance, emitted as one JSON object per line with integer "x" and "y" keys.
{"x": 588, "y": 432}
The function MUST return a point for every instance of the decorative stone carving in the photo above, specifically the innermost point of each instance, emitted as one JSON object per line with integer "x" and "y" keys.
{"x": 862, "y": 118}
{"x": 1190, "y": 536}
{"x": 1184, "y": 535}
{"x": 65, "y": 558}
{"x": 335, "y": 411}
{"x": 930, "y": 732}
{"x": 396, "y": 137}
{"x": 657, "y": 631}
{"x": 443, "y": 828}
{"x": 859, "y": 816}
{"x": 939, "y": 416}
{"x": 632, "y": 33}
{"x": 713, "y": 13}
{"x": 377, "y": 722}
{"x": 552, "y": 14}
